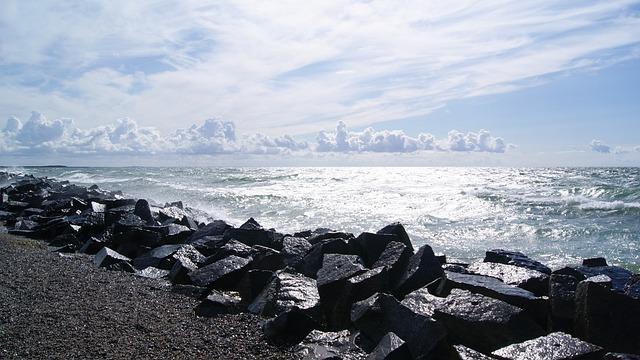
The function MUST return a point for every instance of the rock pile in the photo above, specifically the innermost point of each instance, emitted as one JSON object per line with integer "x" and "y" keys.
{"x": 329, "y": 294}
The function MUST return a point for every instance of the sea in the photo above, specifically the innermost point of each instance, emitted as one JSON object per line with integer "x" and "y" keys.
{"x": 555, "y": 215}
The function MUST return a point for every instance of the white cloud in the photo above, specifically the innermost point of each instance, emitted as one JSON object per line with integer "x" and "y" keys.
{"x": 217, "y": 136}
{"x": 599, "y": 146}
{"x": 343, "y": 140}
{"x": 293, "y": 66}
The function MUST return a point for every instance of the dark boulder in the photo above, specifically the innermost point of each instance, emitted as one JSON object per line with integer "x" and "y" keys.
{"x": 92, "y": 246}
{"x": 555, "y": 346}
{"x": 223, "y": 274}
{"x": 323, "y": 234}
{"x": 286, "y": 291}
{"x": 265, "y": 258}
{"x": 562, "y": 290}
{"x": 106, "y": 257}
{"x": 251, "y": 224}
{"x": 232, "y": 247}
{"x": 207, "y": 245}
{"x": 632, "y": 287}
{"x": 390, "y": 347}
{"x": 496, "y": 289}
{"x": 252, "y": 284}
{"x": 593, "y": 262}
{"x": 366, "y": 284}
{"x": 289, "y": 328}
{"x": 188, "y": 222}
{"x": 179, "y": 273}
{"x": 619, "y": 276}
{"x": 160, "y": 257}
{"x": 219, "y": 302}
{"x": 329, "y": 345}
{"x": 475, "y": 320}
{"x": 172, "y": 233}
{"x": 252, "y": 237}
{"x": 398, "y": 230}
{"x": 532, "y": 280}
{"x": 369, "y": 246}
{"x": 422, "y": 269}
{"x": 294, "y": 250}
{"x": 607, "y": 318}
{"x": 515, "y": 258}
{"x": 332, "y": 286}
{"x": 382, "y": 313}
{"x": 312, "y": 262}
{"x": 143, "y": 210}
{"x": 189, "y": 252}
{"x": 395, "y": 258}
{"x": 215, "y": 228}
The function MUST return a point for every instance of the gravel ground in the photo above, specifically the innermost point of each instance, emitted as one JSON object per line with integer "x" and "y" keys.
{"x": 63, "y": 307}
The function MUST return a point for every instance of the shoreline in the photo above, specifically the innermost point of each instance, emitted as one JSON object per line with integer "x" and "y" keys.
{"x": 328, "y": 292}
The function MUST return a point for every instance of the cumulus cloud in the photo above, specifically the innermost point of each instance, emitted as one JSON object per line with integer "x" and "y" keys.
{"x": 342, "y": 140}
{"x": 218, "y": 136}
{"x": 214, "y": 136}
{"x": 599, "y": 146}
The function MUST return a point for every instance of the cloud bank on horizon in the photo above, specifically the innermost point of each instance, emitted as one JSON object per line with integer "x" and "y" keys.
{"x": 215, "y": 136}
{"x": 287, "y": 67}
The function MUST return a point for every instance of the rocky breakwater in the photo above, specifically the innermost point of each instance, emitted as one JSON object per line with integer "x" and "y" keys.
{"x": 329, "y": 294}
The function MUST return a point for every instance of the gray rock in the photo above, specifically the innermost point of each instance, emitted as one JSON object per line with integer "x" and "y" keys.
{"x": 106, "y": 257}
{"x": 312, "y": 262}
{"x": 369, "y": 246}
{"x": 382, "y": 313}
{"x": 335, "y": 301}
{"x": 532, "y": 280}
{"x": 535, "y": 306}
{"x": 221, "y": 275}
{"x": 465, "y": 353}
{"x": 143, "y": 210}
{"x": 562, "y": 290}
{"x": 395, "y": 258}
{"x": 160, "y": 257}
{"x": 179, "y": 273}
{"x": 515, "y": 258}
{"x": 398, "y": 230}
{"x": 289, "y": 328}
{"x": 619, "y": 276}
{"x": 215, "y": 228}
{"x": 555, "y": 346}
{"x": 390, "y": 347}
{"x": 294, "y": 250}
{"x": 329, "y": 345}
{"x": 285, "y": 291}
{"x": 422, "y": 269}
{"x": 475, "y": 320}
{"x": 152, "y": 273}
{"x": 607, "y": 318}
{"x": 219, "y": 302}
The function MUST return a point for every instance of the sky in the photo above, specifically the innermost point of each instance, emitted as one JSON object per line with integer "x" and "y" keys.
{"x": 332, "y": 82}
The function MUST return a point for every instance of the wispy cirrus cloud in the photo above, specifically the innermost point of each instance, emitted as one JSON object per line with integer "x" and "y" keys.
{"x": 295, "y": 67}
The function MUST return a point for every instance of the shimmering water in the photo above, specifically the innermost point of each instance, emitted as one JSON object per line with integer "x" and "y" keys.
{"x": 556, "y": 215}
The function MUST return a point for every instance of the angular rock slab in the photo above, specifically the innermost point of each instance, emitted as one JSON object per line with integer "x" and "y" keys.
{"x": 107, "y": 257}
{"x": 219, "y": 302}
{"x": 390, "y": 347}
{"x": 619, "y": 276}
{"x": 535, "y": 306}
{"x": 532, "y": 280}
{"x": 555, "y": 346}
{"x": 562, "y": 292}
{"x": 515, "y": 258}
{"x": 312, "y": 261}
{"x": 289, "y": 328}
{"x": 285, "y": 291}
{"x": 222, "y": 275}
{"x": 382, "y": 313}
{"x": 422, "y": 269}
{"x": 395, "y": 258}
{"x": 464, "y": 353}
{"x": 398, "y": 230}
{"x": 475, "y": 320}
{"x": 607, "y": 318}
{"x": 159, "y": 257}
{"x": 369, "y": 246}
{"x": 335, "y": 300}
{"x": 329, "y": 345}
{"x": 294, "y": 250}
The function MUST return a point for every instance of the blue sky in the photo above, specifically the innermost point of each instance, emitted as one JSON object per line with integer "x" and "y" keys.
{"x": 355, "y": 82}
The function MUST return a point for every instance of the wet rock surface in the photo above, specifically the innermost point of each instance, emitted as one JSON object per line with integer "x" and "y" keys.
{"x": 532, "y": 280}
{"x": 554, "y": 346}
{"x": 515, "y": 258}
